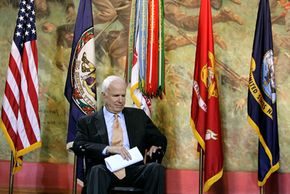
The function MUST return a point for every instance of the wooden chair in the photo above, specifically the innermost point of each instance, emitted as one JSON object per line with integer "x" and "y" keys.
{"x": 156, "y": 157}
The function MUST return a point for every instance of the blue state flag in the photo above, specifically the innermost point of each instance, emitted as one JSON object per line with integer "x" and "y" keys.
{"x": 80, "y": 88}
{"x": 262, "y": 99}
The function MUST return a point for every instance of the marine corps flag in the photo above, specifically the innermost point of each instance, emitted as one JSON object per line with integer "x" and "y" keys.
{"x": 262, "y": 112}
{"x": 205, "y": 116}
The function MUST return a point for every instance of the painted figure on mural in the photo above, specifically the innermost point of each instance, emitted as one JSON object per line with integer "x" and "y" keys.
{"x": 281, "y": 41}
{"x": 43, "y": 9}
{"x": 110, "y": 11}
{"x": 111, "y": 42}
{"x": 64, "y": 32}
{"x": 175, "y": 15}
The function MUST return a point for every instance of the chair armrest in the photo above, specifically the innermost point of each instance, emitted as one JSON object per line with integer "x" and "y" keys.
{"x": 156, "y": 157}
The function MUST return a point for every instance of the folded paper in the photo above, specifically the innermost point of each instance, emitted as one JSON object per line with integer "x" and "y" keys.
{"x": 116, "y": 162}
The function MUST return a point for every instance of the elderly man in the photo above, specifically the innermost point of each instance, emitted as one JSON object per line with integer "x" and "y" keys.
{"x": 96, "y": 139}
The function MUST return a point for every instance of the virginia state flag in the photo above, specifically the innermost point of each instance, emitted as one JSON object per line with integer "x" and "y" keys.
{"x": 262, "y": 111}
{"x": 80, "y": 89}
{"x": 205, "y": 116}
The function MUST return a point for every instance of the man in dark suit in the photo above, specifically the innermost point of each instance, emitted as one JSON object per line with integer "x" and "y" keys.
{"x": 94, "y": 140}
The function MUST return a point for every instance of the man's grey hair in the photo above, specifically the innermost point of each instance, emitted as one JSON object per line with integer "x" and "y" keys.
{"x": 108, "y": 80}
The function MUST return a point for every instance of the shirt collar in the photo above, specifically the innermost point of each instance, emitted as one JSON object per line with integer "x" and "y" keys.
{"x": 109, "y": 114}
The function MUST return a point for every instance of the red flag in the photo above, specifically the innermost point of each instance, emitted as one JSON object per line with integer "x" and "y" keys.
{"x": 205, "y": 116}
{"x": 19, "y": 117}
{"x": 151, "y": 85}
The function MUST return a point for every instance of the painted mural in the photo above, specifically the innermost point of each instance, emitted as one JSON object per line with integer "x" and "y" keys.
{"x": 233, "y": 25}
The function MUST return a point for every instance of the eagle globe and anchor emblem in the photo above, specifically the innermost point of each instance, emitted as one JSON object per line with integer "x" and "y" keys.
{"x": 84, "y": 73}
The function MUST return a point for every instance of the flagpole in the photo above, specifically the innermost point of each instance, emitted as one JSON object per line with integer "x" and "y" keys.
{"x": 201, "y": 171}
{"x": 11, "y": 177}
{"x": 74, "y": 191}
{"x": 262, "y": 190}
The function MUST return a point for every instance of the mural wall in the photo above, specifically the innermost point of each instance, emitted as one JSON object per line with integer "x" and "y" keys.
{"x": 234, "y": 25}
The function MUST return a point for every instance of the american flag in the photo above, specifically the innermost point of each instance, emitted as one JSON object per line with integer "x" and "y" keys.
{"x": 19, "y": 116}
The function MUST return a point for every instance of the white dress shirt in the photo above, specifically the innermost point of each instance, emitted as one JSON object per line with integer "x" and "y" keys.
{"x": 109, "y": 119}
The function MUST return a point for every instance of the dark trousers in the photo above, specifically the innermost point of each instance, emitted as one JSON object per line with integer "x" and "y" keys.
{"x": 150, "y": 177}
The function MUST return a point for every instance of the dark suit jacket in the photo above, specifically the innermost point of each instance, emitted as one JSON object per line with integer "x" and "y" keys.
{"x": 92, "y": 137}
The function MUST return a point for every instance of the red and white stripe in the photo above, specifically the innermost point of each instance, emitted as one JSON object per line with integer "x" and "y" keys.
{"x": 20, "y": 101}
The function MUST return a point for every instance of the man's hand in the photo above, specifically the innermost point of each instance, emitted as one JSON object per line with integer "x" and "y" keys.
{"x": 152, "y": 150}
{"x": 119, "y": 150}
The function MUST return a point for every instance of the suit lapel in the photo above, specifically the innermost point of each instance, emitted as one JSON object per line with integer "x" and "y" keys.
{"x": 100, "y": 121}
{"x": 130, "y": 127}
